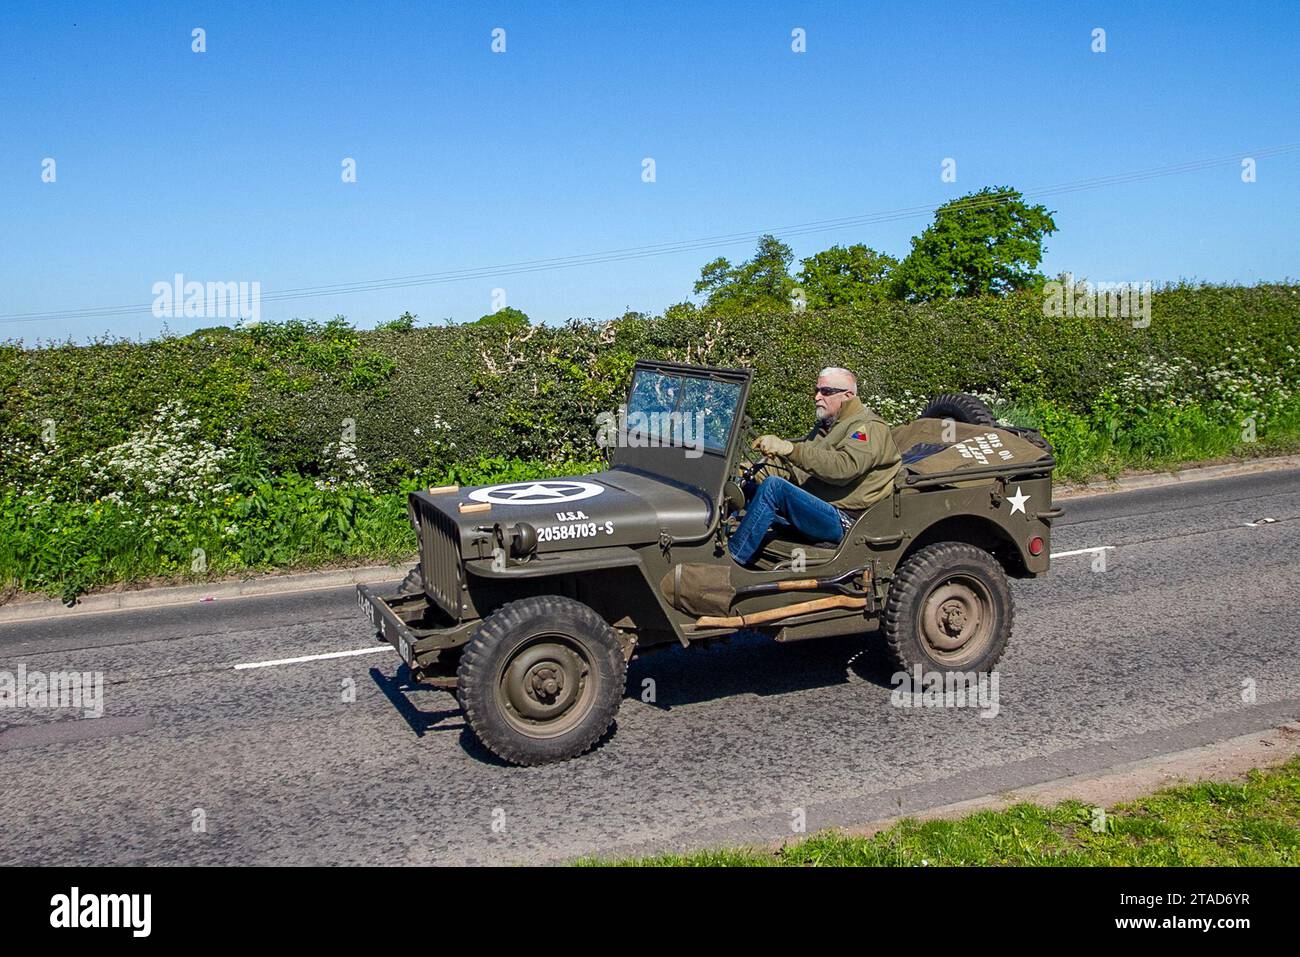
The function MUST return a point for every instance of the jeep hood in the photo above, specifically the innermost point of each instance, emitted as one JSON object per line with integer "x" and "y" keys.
{"x": 619, "y": 506}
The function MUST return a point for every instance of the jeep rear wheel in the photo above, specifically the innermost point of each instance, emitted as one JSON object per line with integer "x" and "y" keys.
{"x": 949, "y": 609}
{"x": 541, "y": 679}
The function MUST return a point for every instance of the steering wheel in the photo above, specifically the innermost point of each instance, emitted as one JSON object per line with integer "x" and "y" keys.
{"x": 753, "y": 461}
{"x": 749, "y": 464}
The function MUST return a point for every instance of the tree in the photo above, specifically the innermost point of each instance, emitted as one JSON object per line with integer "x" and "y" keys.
{"x": 403, "y": 323}
{"x": 846, "y": 274}
{"x": 988, "y": 241}
{"x": 507, "y": 317}
{"x": 763, "y": 281}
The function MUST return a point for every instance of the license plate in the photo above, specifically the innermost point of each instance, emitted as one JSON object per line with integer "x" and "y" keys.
{"x": 368, "y": 608}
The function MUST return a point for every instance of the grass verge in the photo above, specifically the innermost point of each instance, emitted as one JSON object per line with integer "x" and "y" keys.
{"x": 1255, "y": 822}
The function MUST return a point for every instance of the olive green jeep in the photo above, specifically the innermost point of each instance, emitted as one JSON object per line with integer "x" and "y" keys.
{"x": 530, "y": 598}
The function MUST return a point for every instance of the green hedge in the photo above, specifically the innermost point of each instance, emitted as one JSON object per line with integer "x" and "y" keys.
{"x": 427, "y": 398}
{"x": 171, "y": 428}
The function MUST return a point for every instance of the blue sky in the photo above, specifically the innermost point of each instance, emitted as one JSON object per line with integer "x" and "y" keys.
{"x": 225, "y": 165}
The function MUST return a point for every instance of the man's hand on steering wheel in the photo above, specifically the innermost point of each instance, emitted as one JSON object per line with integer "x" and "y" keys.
{"x": 762, "y": 453}
{"x": 773, "y": 446}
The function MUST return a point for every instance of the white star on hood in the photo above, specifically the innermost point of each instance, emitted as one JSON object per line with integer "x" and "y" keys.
{"x": 539, "y": 491}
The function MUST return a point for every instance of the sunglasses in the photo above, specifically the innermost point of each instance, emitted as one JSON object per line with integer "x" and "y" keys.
{"x": 827, "y": 390}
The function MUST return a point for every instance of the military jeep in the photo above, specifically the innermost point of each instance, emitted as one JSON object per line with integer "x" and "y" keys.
{"x": 530, "y": 598}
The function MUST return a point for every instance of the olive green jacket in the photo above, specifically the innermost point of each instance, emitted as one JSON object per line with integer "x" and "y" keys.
{"x": 850, "y": 462}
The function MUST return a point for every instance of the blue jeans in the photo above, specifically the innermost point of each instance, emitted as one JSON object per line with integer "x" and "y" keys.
{"x": 782, "y": 503}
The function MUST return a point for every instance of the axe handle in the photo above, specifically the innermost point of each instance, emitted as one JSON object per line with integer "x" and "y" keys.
{"x": 776, "y": 614}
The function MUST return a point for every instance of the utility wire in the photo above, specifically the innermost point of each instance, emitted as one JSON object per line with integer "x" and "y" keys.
{"x": 663, "y": 249}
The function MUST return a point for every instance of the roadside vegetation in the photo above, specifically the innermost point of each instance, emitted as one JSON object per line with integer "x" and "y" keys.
{"x": 293, "y": 444}
{"x": 1253, "y": 823}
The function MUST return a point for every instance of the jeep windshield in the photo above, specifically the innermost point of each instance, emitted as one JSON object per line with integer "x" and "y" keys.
{"x": 680, "y": 422}
{"x": 680, "y": 410}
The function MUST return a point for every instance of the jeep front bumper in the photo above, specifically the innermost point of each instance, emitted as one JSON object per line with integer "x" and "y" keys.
{"x": 400, "y": 620}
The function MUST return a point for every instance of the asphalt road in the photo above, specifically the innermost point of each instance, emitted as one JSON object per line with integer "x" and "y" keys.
{"x": 195, "y": 761}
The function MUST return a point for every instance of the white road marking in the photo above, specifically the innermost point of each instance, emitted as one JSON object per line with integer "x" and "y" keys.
{"x": 1082, "y": 551}
{"x": 244, "y": 666}
{"x": 1258, "y": 522}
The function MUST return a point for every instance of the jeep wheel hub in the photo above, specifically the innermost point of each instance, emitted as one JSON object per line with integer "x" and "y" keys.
{"x": 542, "y": 682}
{"x": 956, "y": 612}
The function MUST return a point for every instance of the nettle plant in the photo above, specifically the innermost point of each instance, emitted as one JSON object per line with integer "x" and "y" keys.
{"x": 167, "y": 466}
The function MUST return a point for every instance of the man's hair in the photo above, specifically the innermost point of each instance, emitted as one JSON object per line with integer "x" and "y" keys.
{"x": 841, "y": 373}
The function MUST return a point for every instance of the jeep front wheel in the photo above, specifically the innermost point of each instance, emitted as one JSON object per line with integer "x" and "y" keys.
{"x": 541, "y": 679}
{"x": 949, "y": 609}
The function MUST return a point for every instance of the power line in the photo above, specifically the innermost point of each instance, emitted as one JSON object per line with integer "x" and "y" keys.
{"x": 662, "y": 249}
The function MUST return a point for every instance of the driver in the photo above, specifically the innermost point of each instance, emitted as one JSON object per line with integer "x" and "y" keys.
{"x": 841, "y": 468}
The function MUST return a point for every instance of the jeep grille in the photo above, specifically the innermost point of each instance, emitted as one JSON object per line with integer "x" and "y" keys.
{"x": 439, "y": 557}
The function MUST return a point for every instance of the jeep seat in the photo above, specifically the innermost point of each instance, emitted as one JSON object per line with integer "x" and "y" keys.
{"x": 778, "y": 550}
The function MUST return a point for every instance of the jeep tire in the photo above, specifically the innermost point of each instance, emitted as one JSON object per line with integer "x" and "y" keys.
{"x": 541, "y": 679}
{"x": 960, "y": 407}
{"x": 413, "y": 583}
{"x": 949, "y": 610}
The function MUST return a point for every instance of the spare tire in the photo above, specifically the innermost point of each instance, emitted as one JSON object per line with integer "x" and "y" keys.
{"x": 961, "y": 407}
{"x": 1034, "y": 436}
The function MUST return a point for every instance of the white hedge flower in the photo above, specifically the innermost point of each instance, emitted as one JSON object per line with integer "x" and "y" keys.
{"x": 167, "y": 460}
